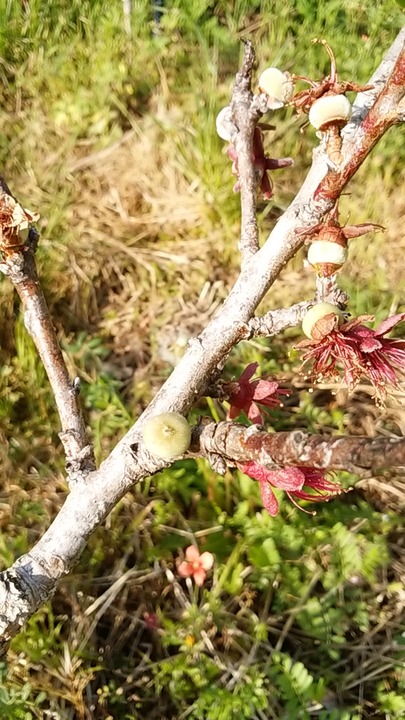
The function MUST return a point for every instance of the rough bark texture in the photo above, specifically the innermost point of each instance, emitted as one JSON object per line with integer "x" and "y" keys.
{"x": 19, "y": 266}
{"x": 239, "y": 444}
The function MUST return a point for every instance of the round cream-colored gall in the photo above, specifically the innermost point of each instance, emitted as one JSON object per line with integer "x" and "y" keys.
{"x": 316, "y": 313}
{"x": 330, "y": 109}
{"x": 167, "y": 435}
{"x": 277, "y": 85}
{"x": 224, "y": 124}
{"x": 322, "y": 251}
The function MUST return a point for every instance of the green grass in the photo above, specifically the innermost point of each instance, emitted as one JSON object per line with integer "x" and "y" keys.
{"x": 112, "y": 140}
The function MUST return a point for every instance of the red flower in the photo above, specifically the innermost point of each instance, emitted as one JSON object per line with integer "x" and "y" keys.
{"x": 293, "y": 480}
{"x": 244, "y": 395}
{"x": 360, "y": 351}
{"x": 151, "y": 620}
{"x": 195, "y": 565}
{"x": 262, "y": 163}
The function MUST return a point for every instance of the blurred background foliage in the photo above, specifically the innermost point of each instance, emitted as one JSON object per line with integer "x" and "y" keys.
{"x": 110, "y": 136}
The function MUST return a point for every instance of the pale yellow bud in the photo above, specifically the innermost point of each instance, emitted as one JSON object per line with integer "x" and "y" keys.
{"x": 167, "y": 435}
{"x": 277, "y": 85}
{"x": 317, "y": 313}
{"x": 225, "y": 126}
{"x": 330, "y": 109}
{"x": 322, "y": 251}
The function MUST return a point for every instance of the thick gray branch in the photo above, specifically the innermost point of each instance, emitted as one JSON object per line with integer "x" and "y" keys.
{"x": 365, "y": 100}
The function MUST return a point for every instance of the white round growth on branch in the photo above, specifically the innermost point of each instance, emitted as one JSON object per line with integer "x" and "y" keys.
{"x": 317, "y": 313}
{"x": 225, "y": 126}
{"x": 278, "y": 87}
{"x": 167, "y": 435}
{"x": 331, "y": 109}
{"x": 324, "y": 251}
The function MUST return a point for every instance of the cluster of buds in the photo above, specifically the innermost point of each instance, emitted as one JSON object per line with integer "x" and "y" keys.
{"x": 324, "y": 101}
{"x": 278, "y": 89}
{"x": 333, "y": 343}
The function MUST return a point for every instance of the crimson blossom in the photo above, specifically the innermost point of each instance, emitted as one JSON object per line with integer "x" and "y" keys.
{"x": 262, "y": 163}
{"x": 359, "y": 350}
{"x": 293, "y": 480}
{"x": 244, "y": 394}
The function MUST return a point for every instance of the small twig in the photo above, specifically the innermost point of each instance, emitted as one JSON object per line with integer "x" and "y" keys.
{"x": 19, "y": 266}
{"x": 327, "y": 290}
{"x": 240, "y": 444}
{"x": 275, "y": 321}
{"x": 246, "y": 114}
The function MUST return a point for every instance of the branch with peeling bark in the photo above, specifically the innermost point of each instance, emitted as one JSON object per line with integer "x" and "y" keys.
{"x": 34, "y": 576}
{"x": 19, "y": 265}
{"x": 239, "y": 444}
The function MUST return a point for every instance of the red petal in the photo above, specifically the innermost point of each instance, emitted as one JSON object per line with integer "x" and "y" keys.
{"x": 185, "y": 569}
{"x": 365, "y": 338}
{"x": 389, "y": 323}
{"x": 369, "y": 345}
{"x": 269, "y": 499}
{"x": 199, "y": 576}
{"x": 248, "y": 372}
{"x": 255, "y": 471}
{"x": 290, "y": 479}
{"x": 254, "y": 414}
{"x": 264, "y": 388}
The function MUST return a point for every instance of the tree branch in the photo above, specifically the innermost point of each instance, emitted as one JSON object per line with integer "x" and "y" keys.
{"x": 246, "y": 115}
{"x": 239, "y": 444}
{"x": 19, "y": 266}
{"x": 34, "y": 576}
{"x": 370, "y": 123}
{"x": 275, "y": 321}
